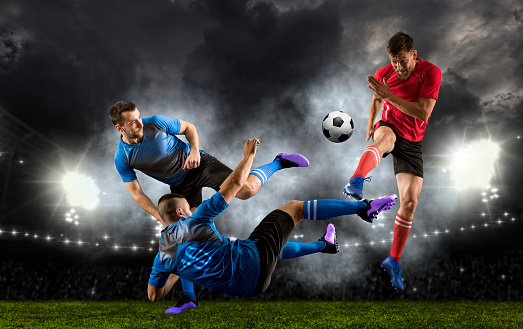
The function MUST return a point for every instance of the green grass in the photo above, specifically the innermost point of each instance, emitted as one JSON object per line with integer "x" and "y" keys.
{"x": 255, "y": 314}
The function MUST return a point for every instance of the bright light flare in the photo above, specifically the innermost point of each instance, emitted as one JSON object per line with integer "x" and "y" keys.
{"x": 473, "y": 165}
{"x": 80, "y": 191}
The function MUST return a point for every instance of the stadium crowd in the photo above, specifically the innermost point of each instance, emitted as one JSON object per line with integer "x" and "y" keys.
{"x": 485, "y": 277}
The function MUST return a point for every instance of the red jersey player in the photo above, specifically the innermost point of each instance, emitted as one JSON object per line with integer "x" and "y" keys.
{"x": 408, "y": 89}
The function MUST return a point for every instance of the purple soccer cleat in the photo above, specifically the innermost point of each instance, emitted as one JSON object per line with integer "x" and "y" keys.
{"x": 292, "y": 160}
{"x": 185, "y": 303}
{"x": 331, "y": 242}
{"x": 374, "y": 207}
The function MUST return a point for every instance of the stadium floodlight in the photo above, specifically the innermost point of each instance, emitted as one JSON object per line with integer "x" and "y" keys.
{"x": 473, "y": 164}
{"x": 80, "y": 190}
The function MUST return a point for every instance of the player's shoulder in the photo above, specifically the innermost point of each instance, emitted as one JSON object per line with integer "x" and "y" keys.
{"x": 154, "y": 119}
{"x": 429, "y": 66}
{"x": 120, "y": 150}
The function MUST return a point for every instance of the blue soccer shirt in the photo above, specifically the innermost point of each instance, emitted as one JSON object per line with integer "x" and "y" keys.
{"x": 193, "y": 249}
{"x": 161, "y": 155}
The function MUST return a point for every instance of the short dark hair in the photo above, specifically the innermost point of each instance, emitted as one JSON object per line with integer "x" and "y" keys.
{"x": 400, "y": 42}
{"x": 115, "y": 113}
{"x": 168, "y": 196}
{"x": 168, "y": 212}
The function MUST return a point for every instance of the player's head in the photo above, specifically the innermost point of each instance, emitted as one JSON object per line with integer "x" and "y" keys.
{"x": 172, "y": 207}
{"x": 126, "y": 118}
{"x": 402, "y": 54}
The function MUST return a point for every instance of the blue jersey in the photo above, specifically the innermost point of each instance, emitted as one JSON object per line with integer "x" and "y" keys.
{"x": 161, "y": 155}
{"x": 193, "y": 249}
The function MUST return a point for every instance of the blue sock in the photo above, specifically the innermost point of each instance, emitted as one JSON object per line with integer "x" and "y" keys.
{"x": 188, "y": 288}
{"x": 266, "y": 171}
{"x": 298, "y": 249}
{"x": 327, "y": 208}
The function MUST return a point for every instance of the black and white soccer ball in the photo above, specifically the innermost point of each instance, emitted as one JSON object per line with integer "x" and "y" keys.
{"x": 337, "y": 126}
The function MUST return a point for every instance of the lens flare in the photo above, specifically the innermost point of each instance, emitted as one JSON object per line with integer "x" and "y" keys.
{"x": 81, "y": 191}
{"x": 473, "y": 166}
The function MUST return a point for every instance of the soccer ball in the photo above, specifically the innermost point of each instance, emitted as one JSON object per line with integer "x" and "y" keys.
{"x": 337, "y": 126}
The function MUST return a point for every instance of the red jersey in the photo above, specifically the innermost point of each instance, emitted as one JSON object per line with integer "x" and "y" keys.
{"x": 424, "y": 82}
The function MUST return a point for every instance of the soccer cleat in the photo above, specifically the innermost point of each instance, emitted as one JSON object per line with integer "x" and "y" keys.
{"x": 374, "y": 207}
{"x": 292, "y": 160}
{"x": 185, "y": 303}
{"x": 331, "y": 243}
{"x": 355, "y": 187}
{"x": 394, "y": 269}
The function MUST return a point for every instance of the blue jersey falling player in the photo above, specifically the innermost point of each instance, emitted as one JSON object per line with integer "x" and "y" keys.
{"x": 191, "y": 248}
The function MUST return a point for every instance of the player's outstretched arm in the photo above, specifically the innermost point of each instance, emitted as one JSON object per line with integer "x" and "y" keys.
{"x": 143, "y": 200}
{"x": 237, "y": 178}
{"x": 189, "y": 130}
{"x": 155, "y": 294}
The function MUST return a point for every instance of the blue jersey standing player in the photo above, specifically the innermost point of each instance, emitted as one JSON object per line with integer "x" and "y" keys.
{"x": 192, "y": 249}
{"x": 151, "y": 146}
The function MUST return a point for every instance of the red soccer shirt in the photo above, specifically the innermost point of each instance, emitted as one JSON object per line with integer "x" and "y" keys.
{"x": 424, "y": 82}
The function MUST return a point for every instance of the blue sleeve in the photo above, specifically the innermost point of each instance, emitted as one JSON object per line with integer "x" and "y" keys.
{"x": 210, "y": 208}
{"x": 171, "y": 126}
{"x": 127, "y": 173}
{"x": 159, "y": 276}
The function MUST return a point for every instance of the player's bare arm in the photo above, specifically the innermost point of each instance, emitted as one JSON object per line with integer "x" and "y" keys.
{"x": 189, "y": 130}
{"x": 142, "y": 200}
{"x": 237, "y": 178}
{"x": 375, "y": 107}
{"x": 155, "y": 294}
{"x": 420, "y": 110}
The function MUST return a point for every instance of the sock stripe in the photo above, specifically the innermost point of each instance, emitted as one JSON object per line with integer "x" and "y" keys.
{"x": 399, "y": 219}
{"x": 402, "y": 225}
{"x": 314, "y": 209}
{"x": 375, "y": 152}
{"x": 260, "y": 175}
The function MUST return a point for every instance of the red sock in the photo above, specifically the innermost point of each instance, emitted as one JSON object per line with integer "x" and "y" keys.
{"x": 402, "y": 227}
{"x": 368, "y": 161}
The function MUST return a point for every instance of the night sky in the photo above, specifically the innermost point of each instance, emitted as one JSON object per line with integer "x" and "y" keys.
{"x": 271, "y": 70}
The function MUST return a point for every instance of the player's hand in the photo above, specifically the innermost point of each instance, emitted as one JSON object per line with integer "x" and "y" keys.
{"x": 370, "y": 132}
{"x": 192, "y": 161}
{"x": 381, "y": 90}
{"x": 249, "y": 148}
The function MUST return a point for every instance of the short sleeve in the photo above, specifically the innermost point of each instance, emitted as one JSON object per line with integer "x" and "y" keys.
{"x": 127, "y": 173}
{"x": 159, "y": 276}
{"x": 171, "y": 126}
{"x": 210, "y": 208}
{"x": 431, "y": 83}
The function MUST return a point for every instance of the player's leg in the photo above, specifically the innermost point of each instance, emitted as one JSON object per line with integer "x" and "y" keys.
{"x": 327, "y": 244}
{"x": 409, "y": 186}
{"x": 384, "y": 139}
{"x": 272, "y": 233}
{"x": 261, "y": 174}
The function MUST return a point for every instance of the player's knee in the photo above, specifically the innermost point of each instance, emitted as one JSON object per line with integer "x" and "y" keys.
{"x": 295, "y": 203}
{"x": 410, "y": 204}
{"x": 387, "y": 140}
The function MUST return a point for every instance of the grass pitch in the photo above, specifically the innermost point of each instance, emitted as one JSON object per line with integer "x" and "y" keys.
{"x": 256, "y": 314}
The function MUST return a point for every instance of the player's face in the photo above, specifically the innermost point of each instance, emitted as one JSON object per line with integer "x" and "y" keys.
{"x": 404, "y": 63}
{"x": 132, "y": 125}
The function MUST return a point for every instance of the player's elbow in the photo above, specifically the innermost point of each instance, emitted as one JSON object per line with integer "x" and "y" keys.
{"x": 153, "y": 293}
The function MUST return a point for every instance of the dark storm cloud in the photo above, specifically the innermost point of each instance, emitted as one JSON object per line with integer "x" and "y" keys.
{"x": 63, "y": 62}
{"x": 252, "y": 53}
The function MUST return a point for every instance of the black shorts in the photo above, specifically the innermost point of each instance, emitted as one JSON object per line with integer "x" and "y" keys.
{"x": 271, "y": 236}
{"x": 210, "y": 173}
{"x": 407, "y": 155}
